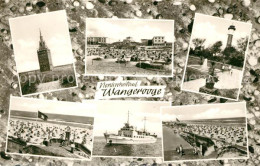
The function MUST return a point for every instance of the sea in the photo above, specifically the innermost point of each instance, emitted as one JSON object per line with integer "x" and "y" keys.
{"x": 57, "y": 117}
{"x": 238, "y": 121}
{"x": 100, "y": 148}
{"x": 69, "y": 120}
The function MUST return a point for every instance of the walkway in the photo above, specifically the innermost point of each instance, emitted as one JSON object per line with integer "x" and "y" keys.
{"x": 48, "y": 86}
{"x": 226, "y": 81}
{"x": 171, "y": 140}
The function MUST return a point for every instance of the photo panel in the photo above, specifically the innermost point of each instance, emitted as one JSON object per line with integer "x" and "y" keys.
{"x": 205, "y": 132}
{"x": 216, "y": 57}
{"x": 126, "y": 129}
{"x": 43, "y": 52}
{"x": 47, "y": 128}
{"x": 129, "y": 47}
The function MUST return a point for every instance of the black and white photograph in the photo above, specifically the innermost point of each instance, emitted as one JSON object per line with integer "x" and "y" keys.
{"x": 54, "y": 129}
{"x": 205, "y": 132}
{"x": 128, "y": 47}
{"x": 43, "y": 52}
{"x": 216, "y": 56}
{"x": 128, "y": 129}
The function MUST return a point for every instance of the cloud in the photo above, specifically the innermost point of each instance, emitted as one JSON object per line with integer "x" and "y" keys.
{"x": 27, "y": 44}
{"x": 208, "y": 31}
{"x": 53, "y": 107}
{"x": 215, "y": 113}
{"x": 209, "y": 114}
{"x": 215, "y": 29}
{"x": 23, "y": 50}
{"x": 120, "y": 29}
{"x": 60, "y": 50}
{"x": 168, "y": 117}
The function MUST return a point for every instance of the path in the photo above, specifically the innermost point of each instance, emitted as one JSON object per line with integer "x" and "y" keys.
{"x": 110, "y": 67}
{"x": 171, "y": 140}
{"x": 194, "y": 85}
{"x": 226, "y": 81}
{"x": 229, "y": 81}
{"x": 48, "y": 86}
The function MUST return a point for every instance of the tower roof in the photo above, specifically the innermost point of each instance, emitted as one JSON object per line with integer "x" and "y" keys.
{"x": 232, "y": 27}
{"x": 41, "y": 42}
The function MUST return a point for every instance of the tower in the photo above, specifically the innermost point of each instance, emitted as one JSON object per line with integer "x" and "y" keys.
{"x": 231, "y": 30}
{"x": 44, "y": 56}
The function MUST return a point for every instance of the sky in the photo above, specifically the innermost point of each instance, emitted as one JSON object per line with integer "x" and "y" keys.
{"x": 53, "y": 107}
{"x": 209, "y": 111}
{"x": 215, "y": 29}
{"x": 119, "y": 29}
{"x": 111, "y": 116}
{"x": 25, "y": 37}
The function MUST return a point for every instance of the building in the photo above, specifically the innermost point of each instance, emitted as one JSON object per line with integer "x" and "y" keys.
{"x": 44, "y": 56}
{"x": 231, "y": 30}
{"x": 144, "y": 41}
{"x": 158, "y": 41}
{"x": 96, "y": 40}
{"x": 128, "y": 40}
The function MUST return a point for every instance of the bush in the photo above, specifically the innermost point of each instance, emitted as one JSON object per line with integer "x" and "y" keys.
{"x": 193, "y": 73}
{"x": 68, "y": 81}
{"x": 28, "y": 88}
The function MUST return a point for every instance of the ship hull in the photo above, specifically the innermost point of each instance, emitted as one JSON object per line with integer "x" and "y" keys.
{"x": 114, "y": 139}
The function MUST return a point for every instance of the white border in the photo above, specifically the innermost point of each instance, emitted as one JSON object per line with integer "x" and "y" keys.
{"x": 245, "y": 57}
{"x": 127, "y": 75}
{"x": 46, "y": 156}
{"x": 199, "y": 105}
{"x": 133, "y": 101}
{"x": 73, "y": 63}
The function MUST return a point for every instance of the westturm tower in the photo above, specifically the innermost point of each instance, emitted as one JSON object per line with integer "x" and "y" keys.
{"x": 44, "y": 56}
{"x": 231, "y": 30}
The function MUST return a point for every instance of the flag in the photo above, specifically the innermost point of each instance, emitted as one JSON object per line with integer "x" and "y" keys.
{"x": 42, "y": 116}
{"x": 177, "y": 120}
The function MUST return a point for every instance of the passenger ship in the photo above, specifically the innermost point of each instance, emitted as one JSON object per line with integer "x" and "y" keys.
{"x": 129, "y": 135}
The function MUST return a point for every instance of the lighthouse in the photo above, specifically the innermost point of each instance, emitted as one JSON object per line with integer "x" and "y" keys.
{"x": 231, "y": 30}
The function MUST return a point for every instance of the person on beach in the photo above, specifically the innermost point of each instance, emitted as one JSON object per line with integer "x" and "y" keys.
{"x": 181, "y": 150}
{"x": 230, "y": 69}
{"x": 72, "y": 147}
{"x": 223, "y": 68}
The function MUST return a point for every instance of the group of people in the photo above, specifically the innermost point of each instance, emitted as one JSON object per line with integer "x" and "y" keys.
{"x": 230, "y": 134}
{"x": 220, "y": 134}
{"x": 229, "y": 68}
{"x": 133, "y": 54}
{"x": 44, "y": 133}
{"x": 179, "y": 149}
{"x": 196, "y": 150}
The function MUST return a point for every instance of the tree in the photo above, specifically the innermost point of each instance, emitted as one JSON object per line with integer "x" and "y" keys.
{"x": 216, "y": 47}
{"x": 242, "y": 44}
{"x": 198, "y": 43}
{"x": 198, "y": 48}
{"x": 234, "y": 57}
{"x": 228, "y": 52}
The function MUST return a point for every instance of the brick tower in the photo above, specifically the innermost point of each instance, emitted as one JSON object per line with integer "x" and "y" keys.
{"x": 231, "y": 30}
{"x": 44, "y": 56}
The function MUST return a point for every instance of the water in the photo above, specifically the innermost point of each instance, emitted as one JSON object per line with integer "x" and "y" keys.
{"x": 238, "y": 121}
{"x": 140, "y": 150}
{"x": 57, "y": 117}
